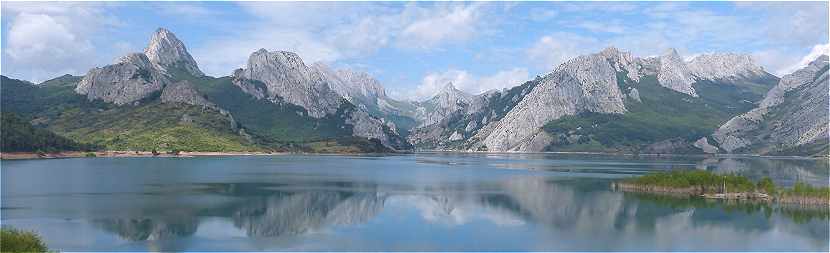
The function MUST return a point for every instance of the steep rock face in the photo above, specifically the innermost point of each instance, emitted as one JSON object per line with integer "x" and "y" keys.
{"x": 184, "y": 92}
{"x": 363, "y": 90}
{"x": 584, "y": 84}
{"x": 792, "y": 115}
{"x": 285, "y": 77}
{"x": 448, "y": 101}
{"x": 130, "y": 79}
{"x": 703, "y": 144}
{"x": 166, "y": 51}
{"x": 725, "y": 66}
{"x": 673, "y": 73}
{"x": 362, "y": 85}
{"x": 623, "y": 62}
{"x": 364, "y": 125}
{"x": 138, "y": 75}
{"x": 483, "y": 117}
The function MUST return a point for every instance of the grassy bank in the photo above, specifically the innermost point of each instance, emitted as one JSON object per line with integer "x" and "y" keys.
{"x": 701, "y": 182}
{"x": 13, "y": 240}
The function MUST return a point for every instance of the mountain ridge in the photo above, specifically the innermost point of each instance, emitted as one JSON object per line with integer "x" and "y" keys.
{"x": 607, "y": 101}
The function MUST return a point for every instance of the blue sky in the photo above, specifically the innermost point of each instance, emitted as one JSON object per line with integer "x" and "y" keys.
{"x": 413, "y": 48}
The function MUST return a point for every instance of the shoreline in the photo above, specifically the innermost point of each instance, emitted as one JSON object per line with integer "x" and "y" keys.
{"x": 120, "y": 153}
{"x": 623, "y": 154}
{"x": 126, "y": 153}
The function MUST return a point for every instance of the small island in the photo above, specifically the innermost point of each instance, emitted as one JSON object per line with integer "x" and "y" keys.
{"x": 701, "y": 183}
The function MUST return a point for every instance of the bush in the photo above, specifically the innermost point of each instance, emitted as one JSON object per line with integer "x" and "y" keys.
{"x": 712, "y": 182}
{"x": 13, "y": 240}
{"x": 89, "y": 154}
{"x": 802, "y": 189}
{"x": 767, "y": 186}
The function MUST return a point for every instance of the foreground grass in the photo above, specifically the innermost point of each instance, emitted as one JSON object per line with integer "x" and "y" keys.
{"x": 705, "y": 182}
{"x": 13, "y": 240}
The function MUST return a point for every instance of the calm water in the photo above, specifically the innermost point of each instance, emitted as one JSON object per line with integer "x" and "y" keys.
{"x": 421, "y": 202}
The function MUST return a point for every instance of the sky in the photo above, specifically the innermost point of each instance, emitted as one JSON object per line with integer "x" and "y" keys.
{"x": 413, "y": 48}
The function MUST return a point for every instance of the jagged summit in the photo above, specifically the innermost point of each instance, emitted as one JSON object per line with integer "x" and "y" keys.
{"x": 132, "y": 78}
{"x": 448, "y": 87}
{"x": 137, "y": 75}
{"x": 365, "y": 84}
{"x": 724, "y": 66}
{"x": 672, "y": 52}
{"x": 166, "y": 51}
{"x": 286, "y": 77}
{"x": 792, "y": 117}
{"x": 673, "y": 73}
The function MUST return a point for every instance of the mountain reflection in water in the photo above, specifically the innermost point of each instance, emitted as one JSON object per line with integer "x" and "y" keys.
{"x": 459, "y": 204}
{"x": 580, "y": 208}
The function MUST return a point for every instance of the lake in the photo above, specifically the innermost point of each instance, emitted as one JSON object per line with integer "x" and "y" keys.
{"x": 412, "y": 202}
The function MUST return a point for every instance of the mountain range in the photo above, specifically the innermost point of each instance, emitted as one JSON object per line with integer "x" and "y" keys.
{"x": 609, "y": 101}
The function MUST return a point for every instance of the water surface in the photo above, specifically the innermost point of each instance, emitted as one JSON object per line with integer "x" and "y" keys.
{"x": 418, "y": 202}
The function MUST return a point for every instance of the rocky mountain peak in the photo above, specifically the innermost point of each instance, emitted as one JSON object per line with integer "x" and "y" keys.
{"x": 448, "y": 87}
{"x": 132, "y": 78}
{"x": 622, "y": 62}
{"x": 673, "y": 73}
{"x": 287, "y": 78}
{"x": 794, "y": 80}
{"x": 671, "y": 52}
{"x": 166, "y": 51}
{"x": 792, "y": 116}
{"x": 610, "y": 50}
{"x": 137, "y": 59}
{"x": 365, "y": 84}
{"x": 724, "y": 66}
{"x": 448, "y": 96}
{"x": 586, "y": 83}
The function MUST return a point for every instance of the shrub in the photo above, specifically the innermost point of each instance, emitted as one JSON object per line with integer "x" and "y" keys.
{"x": 13, "y": 240}
{"x": 767, "y": 185}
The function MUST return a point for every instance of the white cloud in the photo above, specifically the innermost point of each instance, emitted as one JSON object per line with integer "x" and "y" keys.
{"x": 542, "y": 14}
{"x": 45, "y": 41}
{"x": 551, "y": 50}
{"x": 818, "y": 50}
{"x": 438, "y": 25}
{"x": 501, "y": 80}
{"x": 220, "y": 56}
{"x": 34, "y": 36}
{"x": 191, "y": 10}
{"x": 434, "y": 82}
{"x": 330, "y": 32}
{"x": 464, "y": 81}
{"x": 600, "y": 27}
{"x": 803, "y": 23}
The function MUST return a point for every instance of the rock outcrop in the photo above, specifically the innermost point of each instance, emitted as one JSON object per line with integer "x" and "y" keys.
{"x": 792, "y": 115}
{"x": 364, "y": 91}
{"x": 592, "y": 83}
{"x": 448, "y": 101}
{"x": 364, "y": 125}
{"x": 725, "y": 66}
{"x": 284, "y": 77}
{"x": 130, "y": 79}
{"x": 584, "y": 84}
{"x": 672, "y": 72}
{"x": 183, "y": 92}
{"x": 703, "y": 144}
{"x": 166, "y": 52}
{"x": 138, "y": 75}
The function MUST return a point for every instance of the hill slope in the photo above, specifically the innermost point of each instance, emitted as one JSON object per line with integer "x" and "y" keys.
{"x": 17, "y": 135}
